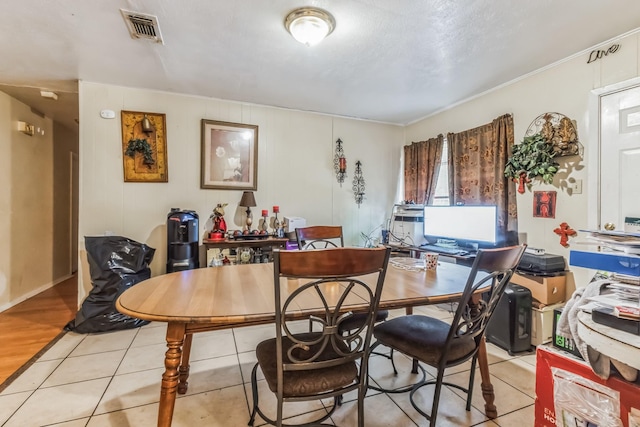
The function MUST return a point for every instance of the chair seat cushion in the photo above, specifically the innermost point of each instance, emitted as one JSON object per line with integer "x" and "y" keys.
{"x": 305, "y": 382}
{"x": 358, "y": 319}
{"x": 423, "y": 338}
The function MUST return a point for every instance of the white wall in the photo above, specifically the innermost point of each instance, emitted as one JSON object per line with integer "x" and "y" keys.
{"x": 295, "y": 170}
{"x": 26, "y": 204}
{"x": 564, "y": 88}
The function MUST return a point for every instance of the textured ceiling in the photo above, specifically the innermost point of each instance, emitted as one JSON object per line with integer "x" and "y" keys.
{"x": 389, "y": 61}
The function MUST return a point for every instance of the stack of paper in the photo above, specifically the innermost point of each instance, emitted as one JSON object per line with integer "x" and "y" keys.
{"x": 615, "y": 240}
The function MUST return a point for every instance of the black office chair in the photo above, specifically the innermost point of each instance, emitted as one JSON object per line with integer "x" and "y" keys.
{"x": 318, "y": 365}
{"x": 330, "y": 236}
{"x": 442, "y": 345}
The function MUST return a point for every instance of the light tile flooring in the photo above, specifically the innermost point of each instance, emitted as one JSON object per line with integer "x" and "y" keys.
{"x": 113, "y": 379}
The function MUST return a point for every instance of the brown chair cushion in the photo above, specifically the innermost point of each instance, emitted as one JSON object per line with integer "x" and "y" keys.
{"x": 423, "y": 338}
{"x": 307, "y": 382}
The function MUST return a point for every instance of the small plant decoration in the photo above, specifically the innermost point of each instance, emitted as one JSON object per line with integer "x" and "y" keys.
{"x": 141, "y": 146}
{"x": 532, "y": 158}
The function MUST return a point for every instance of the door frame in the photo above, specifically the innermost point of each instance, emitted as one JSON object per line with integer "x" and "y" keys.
{"x": 595, "y": 145}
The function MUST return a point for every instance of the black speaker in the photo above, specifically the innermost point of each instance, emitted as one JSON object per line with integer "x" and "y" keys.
{"x": 510, "y": 325}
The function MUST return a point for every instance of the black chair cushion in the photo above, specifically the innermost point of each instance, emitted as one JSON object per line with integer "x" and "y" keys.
{"x": 306, "y": 382}
{"x": 423, "y": 338}
{"x": 358, "y": 319}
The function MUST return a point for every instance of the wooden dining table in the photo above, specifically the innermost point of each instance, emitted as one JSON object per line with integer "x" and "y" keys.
{"x": 207, "y": 299}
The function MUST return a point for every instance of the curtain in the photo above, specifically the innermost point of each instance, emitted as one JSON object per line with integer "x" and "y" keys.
{"x": 477, "y": 158}
{"x": 421, "y": 168}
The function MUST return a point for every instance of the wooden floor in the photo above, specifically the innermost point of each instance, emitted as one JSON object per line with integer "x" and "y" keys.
{"x": 29, "y": 326}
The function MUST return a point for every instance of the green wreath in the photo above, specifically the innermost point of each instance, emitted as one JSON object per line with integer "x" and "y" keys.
{"x": 140, "y": 146}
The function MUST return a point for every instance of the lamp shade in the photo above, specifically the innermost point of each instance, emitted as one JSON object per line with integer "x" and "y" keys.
{"x": 247, "y": 200}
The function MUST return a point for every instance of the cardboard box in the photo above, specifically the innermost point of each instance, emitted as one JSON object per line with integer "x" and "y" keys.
{"x": 548, "y": 358}
{"x": 545, "y": 289}
{"x": 542, "y": 324}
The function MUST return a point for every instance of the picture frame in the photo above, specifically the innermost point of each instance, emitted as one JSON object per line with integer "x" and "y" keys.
{"x": 544, "y": 204}
{"x": 229, "y": 156}
{"x": 144, "y": 147}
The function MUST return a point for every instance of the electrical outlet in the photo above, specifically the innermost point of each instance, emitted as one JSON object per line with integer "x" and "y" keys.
{"x": 576, "y": 186}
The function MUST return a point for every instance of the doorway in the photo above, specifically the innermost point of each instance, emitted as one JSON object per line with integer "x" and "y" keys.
{"x": 615, "y": 154}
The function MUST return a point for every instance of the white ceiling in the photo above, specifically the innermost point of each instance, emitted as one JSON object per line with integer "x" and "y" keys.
{"x": 390, "y": 61}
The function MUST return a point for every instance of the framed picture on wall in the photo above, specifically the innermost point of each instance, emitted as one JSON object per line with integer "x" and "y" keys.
{"x": 229, "y": 156}
{"x": 544, "y": 204}
{"x": 144, "y": 147}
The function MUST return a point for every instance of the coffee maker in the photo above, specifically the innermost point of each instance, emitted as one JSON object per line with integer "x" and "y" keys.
{"x": 182, "y": 240}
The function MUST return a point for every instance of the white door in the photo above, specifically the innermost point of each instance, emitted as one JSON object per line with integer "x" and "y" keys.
{"x": 620, "y": 157}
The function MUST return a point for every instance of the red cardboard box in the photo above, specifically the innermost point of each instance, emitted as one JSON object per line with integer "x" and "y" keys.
{"x": 547, "y": 358}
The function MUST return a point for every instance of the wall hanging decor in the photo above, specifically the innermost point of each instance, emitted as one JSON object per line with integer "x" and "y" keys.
{"x": 358, "y": 183}
{"x": 144, "y": 147}
{"x": 229, "y": 156}
{"x": 560, "y": 131}
{"x": 340, "y": 162}
{"x": 530, "y": 159}
{"x": 544, "y": 204}
{"x": 564, "y": 231}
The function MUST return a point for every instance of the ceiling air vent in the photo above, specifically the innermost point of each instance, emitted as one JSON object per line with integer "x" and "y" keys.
{"x": 142, "y": 26}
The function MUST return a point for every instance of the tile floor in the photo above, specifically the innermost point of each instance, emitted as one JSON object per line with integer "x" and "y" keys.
{"x": 113, "y": 379}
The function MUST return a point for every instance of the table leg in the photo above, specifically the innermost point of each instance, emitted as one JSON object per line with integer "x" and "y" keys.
{"x": 169, "y": 387}
{"x": 414, "y": 364}
{"x": 184, "y": 364}
{"x": 490, "y": 409}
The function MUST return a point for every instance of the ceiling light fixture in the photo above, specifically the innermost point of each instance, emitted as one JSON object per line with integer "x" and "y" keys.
{"x": 309, "y": 25}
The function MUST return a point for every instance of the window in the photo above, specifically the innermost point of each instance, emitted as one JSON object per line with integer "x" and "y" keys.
{"x": 441, "y": 198}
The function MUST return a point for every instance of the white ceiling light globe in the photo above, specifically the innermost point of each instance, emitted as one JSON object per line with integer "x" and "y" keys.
{"x": 309, "y": 26}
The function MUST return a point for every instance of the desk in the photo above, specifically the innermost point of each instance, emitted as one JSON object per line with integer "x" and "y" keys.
{"x": 415, "y": 251}
{"x": 207, "y": 299}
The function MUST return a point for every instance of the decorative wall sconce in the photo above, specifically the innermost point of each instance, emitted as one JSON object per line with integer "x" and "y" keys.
{"x": 358, "y": 183}
{"x": 340, "y": 163}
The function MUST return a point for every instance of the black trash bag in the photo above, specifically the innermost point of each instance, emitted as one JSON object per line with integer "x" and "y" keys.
{"x": 116, "y": 263}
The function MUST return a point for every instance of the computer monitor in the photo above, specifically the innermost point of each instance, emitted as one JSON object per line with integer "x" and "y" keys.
{"x": 474, "y": 226}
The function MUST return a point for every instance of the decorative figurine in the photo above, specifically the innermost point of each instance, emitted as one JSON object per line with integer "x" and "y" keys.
{"x": 219, "y": 224}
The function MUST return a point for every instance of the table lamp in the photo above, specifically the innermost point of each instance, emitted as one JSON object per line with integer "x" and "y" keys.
{"x": 248, "y": 201}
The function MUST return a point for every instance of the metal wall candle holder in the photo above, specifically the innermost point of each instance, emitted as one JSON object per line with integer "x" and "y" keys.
{"x": 340, "y": 163}
{"x": 358, "y": 183}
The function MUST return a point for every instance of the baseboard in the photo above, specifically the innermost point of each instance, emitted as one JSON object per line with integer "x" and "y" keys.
{"x": 33, "y": 293}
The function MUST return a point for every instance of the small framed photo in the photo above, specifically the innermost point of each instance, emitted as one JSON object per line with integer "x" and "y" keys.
{"x": 229, "y": 156}
{"x": 544, "y": 204}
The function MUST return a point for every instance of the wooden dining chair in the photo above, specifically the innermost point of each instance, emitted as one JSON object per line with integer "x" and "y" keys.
{"x": 319, "y": 237}
{"x": 443, "y": 345}
{"x": 320, "y": 364}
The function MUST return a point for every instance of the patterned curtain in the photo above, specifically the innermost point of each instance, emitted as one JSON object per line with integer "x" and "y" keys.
{"x": 421, "y": 168}
{"x": 477, "y": 158}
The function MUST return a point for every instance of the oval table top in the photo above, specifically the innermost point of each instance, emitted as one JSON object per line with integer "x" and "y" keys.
{"x": 243, "y": 293}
